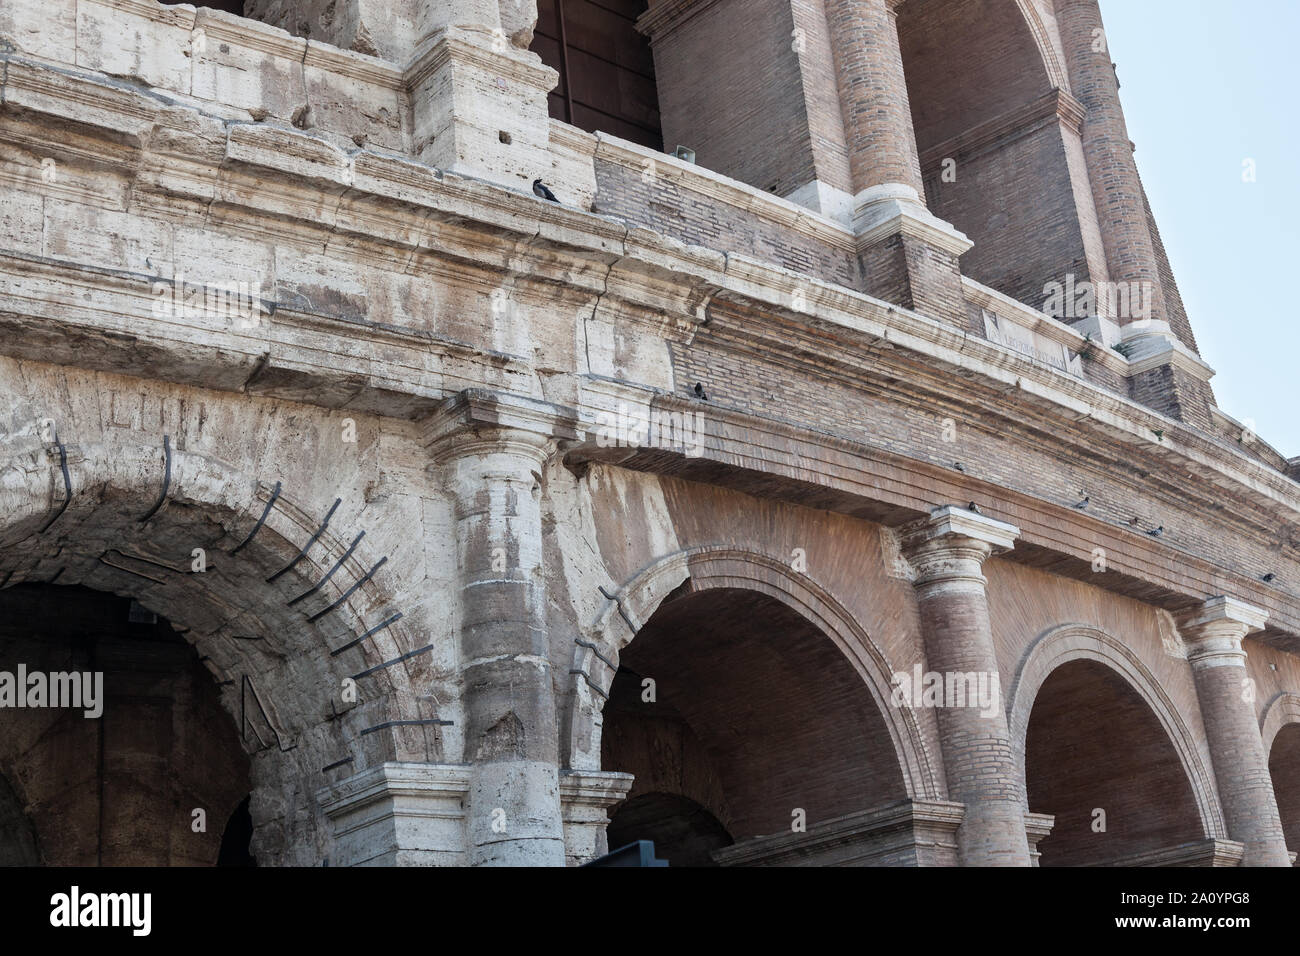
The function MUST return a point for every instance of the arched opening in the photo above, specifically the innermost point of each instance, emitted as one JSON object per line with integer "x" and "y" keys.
{"x": 1284, "y": 768}
{"x": 684, "y": 832}
{"x": 237, "y": 837}
{"x": 607, "y": 72}
{"x": 1098, "y": 759}
{"x": 999, "y": 144}
{"x": 124, "y": 752}
{"x": 269, "y": 606}
{"x": 740, "y": 719}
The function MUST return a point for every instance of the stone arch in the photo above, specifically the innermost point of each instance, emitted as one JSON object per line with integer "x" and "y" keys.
{"x": 1080, "y": 642}
{"x": 626, "y": 611}
{"x": 1056, "y": 74}
{"x": 289, "y": 605}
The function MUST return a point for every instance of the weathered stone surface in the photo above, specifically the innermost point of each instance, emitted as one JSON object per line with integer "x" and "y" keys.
{"x": 512, "y": 513}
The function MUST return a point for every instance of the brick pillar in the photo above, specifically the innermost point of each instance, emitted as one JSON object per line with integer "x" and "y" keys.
{"x": 1117, "y": 191}
{"x": 948, "y": 550}
{"x": 908, "y": 256}
{"x": 873, "y": 95}
{"x": 490, "y": 449}
{"x": 1227, "y": 698}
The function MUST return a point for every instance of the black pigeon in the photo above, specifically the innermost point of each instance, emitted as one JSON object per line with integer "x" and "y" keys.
{"x": 1268, "y": 577}
{"x": 541, "y": 192}
{"x": 700, "y": 393}
{"x": 1157, "y": 532}
{"x": 1134, "y": 521}
{"x": 974, "y": 507}
{"x": 1084, "y": 503}
{"x": 959, "y": 466}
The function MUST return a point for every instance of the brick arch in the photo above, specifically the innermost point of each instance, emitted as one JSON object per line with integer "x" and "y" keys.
{"x": 1282, "y": 709}
{"x": 128, "y": 527}
{"x": 1080, "y": 642}
{"x": 1008, "y": 61}
{"x": 1281, "y": 735}
{"x": 1042, "y": 37}
{"x": 596, "y": 653}
{"x": 1056, "y": 74}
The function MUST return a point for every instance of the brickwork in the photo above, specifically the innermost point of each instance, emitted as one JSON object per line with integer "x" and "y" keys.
{"x": 977, "y": 749}
{"x": 751, "y": 121}
{"x": 873, "y": 94}
{"x": 666, "y": 207}
{"x": 1121, "y": 203}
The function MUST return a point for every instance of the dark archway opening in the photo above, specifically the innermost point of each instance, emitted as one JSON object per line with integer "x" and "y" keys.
{"x": 228, "y": 6}
{"x": 1097, "y": 756}
{"x": 607, "y": 72}
{"x": 148, "y": 781}
{"x": 737, "y": 715}
{"x": 1284, "y": 768}
{"x": 237, "y": 837}
{"x": 684, "y": 833}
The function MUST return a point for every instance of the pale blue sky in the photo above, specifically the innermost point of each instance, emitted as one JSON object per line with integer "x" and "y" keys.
{"x": 1206, "y": 85}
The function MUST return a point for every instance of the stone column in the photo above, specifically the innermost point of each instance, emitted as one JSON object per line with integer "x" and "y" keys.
{"x": 490, "y": 449}
{"x": 1227, "y": 697}
{"x": 908, "y": 255}
{"x": 948, "y": 550}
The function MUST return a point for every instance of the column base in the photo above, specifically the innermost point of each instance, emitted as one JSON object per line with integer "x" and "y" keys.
{"x": 399, "y": 814}
{"x": 909, "y": 256}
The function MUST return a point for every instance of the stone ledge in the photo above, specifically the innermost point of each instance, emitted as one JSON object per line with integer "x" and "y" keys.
{"x": 909, "y": 833}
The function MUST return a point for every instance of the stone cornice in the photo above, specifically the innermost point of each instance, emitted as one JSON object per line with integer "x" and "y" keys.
{"x": 949, "y": 522}
{"x": 454, "y": 44}
{"x": 1054, "y": 105}
{"x": 590, "y": 246}
{"x": 1041, "y": 323}
{"x": 667, "y": 15}
{"x": 927, "y": 820}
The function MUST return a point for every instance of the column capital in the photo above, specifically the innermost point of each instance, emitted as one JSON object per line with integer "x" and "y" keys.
{"x": 479, "y": 420}
{"x": 1214, "y": 631}
{"x": 952, "y": 523}
{"x": 952, "y": 543}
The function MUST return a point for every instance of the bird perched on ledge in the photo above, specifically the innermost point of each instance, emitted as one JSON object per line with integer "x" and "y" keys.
{"x": 541, "y": 192}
